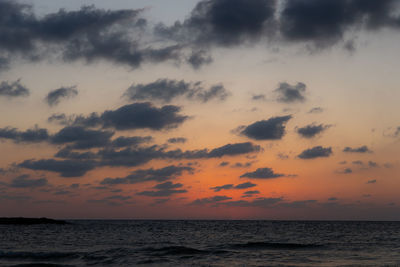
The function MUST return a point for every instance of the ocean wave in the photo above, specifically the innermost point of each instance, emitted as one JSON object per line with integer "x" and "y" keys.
{"x": 41, "y": 264}
{"x": 272, "y": 245}
{"x": 22, "y": 255}
{"x": 180, "y": 250}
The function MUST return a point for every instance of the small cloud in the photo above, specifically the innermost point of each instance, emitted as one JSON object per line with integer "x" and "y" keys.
{"x": 312, "y": 130}
{"x": 371, "y": 181}
{"x": 222, "y": 187}
{"x": 245, "y": 185}
{"x": 54, "y": 97}
{"x": 316, "y": 152}
{"x": 271, "y": 129}
{"x": 262, "y": 173}
{"x": 13, "y": 89}
{"x": 287, "y": 93}
{"x": 316, "y": 110}
{"x": 362, "y": 149}
{"x": 177, "y": 140}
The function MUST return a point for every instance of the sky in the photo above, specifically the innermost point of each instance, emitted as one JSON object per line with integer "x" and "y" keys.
{"x": 211, "y": 109}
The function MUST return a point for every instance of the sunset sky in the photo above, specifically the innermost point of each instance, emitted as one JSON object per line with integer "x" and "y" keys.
{"x": 212, "y": 109}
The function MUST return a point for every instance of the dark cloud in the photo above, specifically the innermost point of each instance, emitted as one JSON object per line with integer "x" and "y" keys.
{"x": 362, "y": 149}
{"x": 132, "y": 141}
{"x": 242, "y": 165}
{"x": 210, "y": 200}
{"x": 34, "y": 135}
{"x": 271, "y": 129}
{"x": 67, "y": 153}
{"x": 258, "y": 97}
{"x": 80, "y": 138}
{"x": 224, "y": 23}
{"x": 312, "y": 130}
{"x": 13, "y": 89}
{"x": 88, "y": 34}
{"x": 128, "y": 117}
{"x": 143, "y": 115}
{"x": 138, "y": 156}
{"x": 245, "y": 185}
{"x": 24, "y": 181}
{"x": 224, "y": 163}
{"x": 199, "y": 58}
{"x": 397, "y": 132}
{"x": 316, "y": 152}
{"x": 159, "y": 175}
{"x": 177, "y": 140}
{"x": 346, "y": 171}
{"x": 233, "y": 149}
{"x": 372, "y": 164}
{"x": 262, "y": 173}
{"x": 316, "y": 110}
{"x": 287, "y": 93}
{"x": 164, "y": 190}
{"x": 324, "y": 23}
{"x": 358, "y": 162}
{"x": 371, "y": 181}
{"x": 54, "y": 97}
{"x": 222, "y": 187}
{"x": 166, "y": 90}
{"x": 251, "y": 193}
{"x": 66, "y": 168}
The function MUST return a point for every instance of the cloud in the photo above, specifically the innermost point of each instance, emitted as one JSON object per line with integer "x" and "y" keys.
{"x": 199, "y": 58}
{"x": 159, "y": 175}
{"x": 222, "y": 187}
{"x": 81, "y": 138}
{"x": 231, "y": 186}
{"x": 210, "y": 200}
{"x": 34, "y": 135}
{"x": 87, "y": 34}
{"x": 128, "y": 117}
{"x": 287, "y": 93}
{"x": 13, "y": 89}
{"x": 262, "y": 173}
{"x": 245, "y": 185}
{"x": 371, "y": 181}
{"x": 324, "y": 23}
{"x": 223, "y": 23}
{"x": 250, "y": 193}
{"x": 177, "y": 140}
{"x": 166, "y": 90}
{"x": 54, "y": 97}
{"x": 132, "y": 141}
{"x": 66, "y": 168}
{"x": 271, "y": 129}
{"x": 141, "y": 155}
{"x": 143, "y": 115}
{"x": 312, "y": 130}
{"x": 233, "y": 149}
{"x": 316, "y": 110}
{"x": 362, "y": 149}
{"x": 164, "y": 190}
{"x": 346, "y": 171}
{"x": 23, "y": 181}
{"x": 372, "y": 164}
{"x": 316, "y": 152}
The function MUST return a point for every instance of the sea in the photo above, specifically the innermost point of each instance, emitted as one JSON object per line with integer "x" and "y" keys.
{"x": 201, "y": 243}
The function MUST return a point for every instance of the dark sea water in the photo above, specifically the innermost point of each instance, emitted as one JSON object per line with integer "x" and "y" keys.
{"x": 201, "y": 243}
